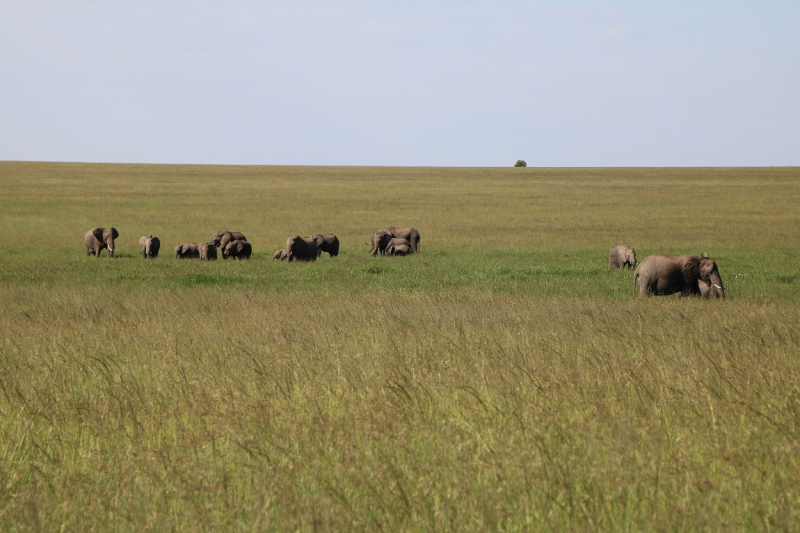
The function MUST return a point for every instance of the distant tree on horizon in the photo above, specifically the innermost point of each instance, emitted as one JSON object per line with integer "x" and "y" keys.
{"x": 520, "y": 163}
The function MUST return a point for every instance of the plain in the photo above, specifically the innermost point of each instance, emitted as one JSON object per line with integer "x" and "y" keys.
{"x": 503, "y": 378}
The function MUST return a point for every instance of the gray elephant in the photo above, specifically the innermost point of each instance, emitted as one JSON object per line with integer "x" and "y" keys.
{"x": 379, "y": 241}
{"x": 622, "y": 256}
{"x": 399, "y": 249}
{"x": 208, "y": 252}
{"x": 301, "y": 249}
{"x": 709, "y": 289}
{"x": 187, "y": 251}
{"x": 150, "y": 246}
{"x": 410, "y": 234}
{"x": 661, "y": 275}
{"x": 222, "y": 238}
{"x": 98, "y": 238}
{"x": 281, "y": 255}
{"x": 327, "y": 243}
{"x": 237, "y": 250}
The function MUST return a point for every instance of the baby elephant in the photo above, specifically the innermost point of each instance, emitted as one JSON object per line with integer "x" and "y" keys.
{"x": 237, "y": 250}
{"x": 208, "y": 252}
{"x": 187, "y": 251}
{"x": 150, "y": 246}
{"x": 399, "y": 249}
{"x": 622, "y": 256}
{"x": 281, "y": 254}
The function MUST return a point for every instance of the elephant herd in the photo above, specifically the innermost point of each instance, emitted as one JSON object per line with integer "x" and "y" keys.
{"x": 658, "y": 274}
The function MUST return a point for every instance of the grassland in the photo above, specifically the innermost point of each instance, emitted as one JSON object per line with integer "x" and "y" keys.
{"x": 502, "y": 379}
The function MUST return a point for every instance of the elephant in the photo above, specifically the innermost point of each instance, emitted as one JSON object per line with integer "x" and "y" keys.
{"x": 281, "y": 254}
{"x": 398, "y": 249}
{"x": 208, "y": 252}
{"x": 660, "y": 275}
{"x": 379, "y": 241}
{"x": 187, "y": 251}
{"x": 301, "y": 249}
{"x": 410, "y": 234}
{"x": 98, "y": 238}
{"x": 622, "y": 256}
{"x": 222, "y": 238}
{"x": 238, "y": 250}
{"x": 150, "y": 246}
{"x": 327, "y": 243}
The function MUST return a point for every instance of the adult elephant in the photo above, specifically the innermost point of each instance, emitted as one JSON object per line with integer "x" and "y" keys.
{"x": 187, "y": 250}
{"x": 327, "y": 243}
{"x": 622, "y": 256}
{"x": 660, "y": 275}
{"x": 301, "y": 249}
{"x": 98, "y": 238}
{"x": 238, "y": 250}
{"x": 150, "y": 246}
{"x": 410, "y": 234}
{"x": 222, "y": 238}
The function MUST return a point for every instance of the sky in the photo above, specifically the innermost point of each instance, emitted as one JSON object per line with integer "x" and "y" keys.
{"x": 446, "y": 83}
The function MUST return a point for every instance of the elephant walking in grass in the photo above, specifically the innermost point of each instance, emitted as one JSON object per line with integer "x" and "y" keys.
{"x": 281, "y": 255}
{"x": 622, "y": 256}
{"x": 221, "y": 238}
{"x": 96, "y": 239}
{"x": 150, "y": 246}
{"x": 327, "y": 243}
{"x": 208, "y": 252}
{"x": 187, "y": 251}
{"x": 379, "y": 241}
{"x": 237, "y": 250}
{"x": 399, "y": 249}
{"x": 301, "y": 249}
{"x": 409, "y": 234}
{"x": 662, "y": 275}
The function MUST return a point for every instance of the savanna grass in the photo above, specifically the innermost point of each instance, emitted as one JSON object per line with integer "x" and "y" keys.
{"x": 501, "y": 379}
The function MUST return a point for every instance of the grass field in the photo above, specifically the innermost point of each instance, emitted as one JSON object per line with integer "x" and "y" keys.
{"x": 501, "y": 379}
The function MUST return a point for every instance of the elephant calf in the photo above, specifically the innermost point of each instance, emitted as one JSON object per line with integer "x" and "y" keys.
{"x": 399, "y": 249}
{"x": 622, "y": 256}
{"x": 237, "y": 250}
{"x": 208, "y": 252}
{"x": 150, "y": 246}
{"x": 281, "y": 254}
{"x": 187, "y": 251}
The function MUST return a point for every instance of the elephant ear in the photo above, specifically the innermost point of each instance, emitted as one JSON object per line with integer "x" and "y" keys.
{"x": 98, "y": 234}
{"x": 113, "y": 231}
{"x": 691, "y": 270}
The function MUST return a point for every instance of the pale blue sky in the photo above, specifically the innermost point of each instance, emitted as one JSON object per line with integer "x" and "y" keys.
{"x": 432, "y": 83}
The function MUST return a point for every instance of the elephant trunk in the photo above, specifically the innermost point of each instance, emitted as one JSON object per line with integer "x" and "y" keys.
{"x": 717, "y": 287}
{"x": 110, "y": 246}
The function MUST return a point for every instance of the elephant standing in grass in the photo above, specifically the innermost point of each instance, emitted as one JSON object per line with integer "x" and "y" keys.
{"x": 150, "y": 246}
{"x": 238, "y": 250}
{"x": 410, "y": 234}
{"x": 208, "y": 252}
{"x": 399, "y": 249}
{"x": 187, "y": 251}
{"x": 301, "y": 249}
{"x": 98, "y": 238}
{"x": 379, "y": 241}
{"x": 327, "y": 243}
{"x": 661, "y": 275}
{"x": 222, "y": 238}
{"x": 281, "y": 254}
{"x": 622, "y": 256}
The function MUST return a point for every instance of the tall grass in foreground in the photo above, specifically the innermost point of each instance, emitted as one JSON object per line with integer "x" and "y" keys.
{"x": 196, "y": 409}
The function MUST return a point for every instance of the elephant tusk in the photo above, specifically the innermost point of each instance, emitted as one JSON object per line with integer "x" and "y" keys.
{"x": 717, "y": 286}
